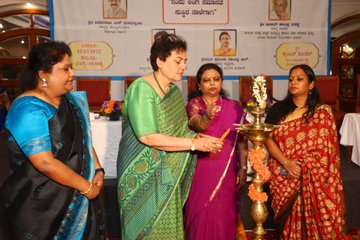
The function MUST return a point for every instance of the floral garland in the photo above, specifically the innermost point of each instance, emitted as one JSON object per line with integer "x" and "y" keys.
{"x": 256, "y": 157}
{"x": 259, "y": 91}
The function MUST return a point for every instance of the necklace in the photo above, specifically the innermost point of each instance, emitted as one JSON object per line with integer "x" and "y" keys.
{"x": 207, "y": 103}
{"x": 48, "y": 98}
{"x": 299, "y": 108}
{"x": 158, "y": 84}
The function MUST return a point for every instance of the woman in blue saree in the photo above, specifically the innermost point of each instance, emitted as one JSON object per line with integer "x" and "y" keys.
{"x": 56, "y": 176}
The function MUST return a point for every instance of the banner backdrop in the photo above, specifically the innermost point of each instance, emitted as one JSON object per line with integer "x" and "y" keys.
{"x": 245, "y": 37}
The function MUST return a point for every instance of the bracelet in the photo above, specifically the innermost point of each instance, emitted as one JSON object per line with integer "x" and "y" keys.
{"x": 100, "y": 170}
{"x": 285, "y": 162}
{"x": 193, "y": 148}
{"x": 88, "y": 190}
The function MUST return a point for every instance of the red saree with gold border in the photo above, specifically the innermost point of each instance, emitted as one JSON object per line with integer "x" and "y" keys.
{"x": 310, "y": 207}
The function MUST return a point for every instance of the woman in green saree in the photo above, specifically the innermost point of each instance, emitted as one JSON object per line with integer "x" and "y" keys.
{"x": 155, "y": 165}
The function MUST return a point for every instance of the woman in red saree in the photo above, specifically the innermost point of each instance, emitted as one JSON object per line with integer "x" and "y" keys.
{"x": 211, "y": 208}
{"x": 305, "y": 185}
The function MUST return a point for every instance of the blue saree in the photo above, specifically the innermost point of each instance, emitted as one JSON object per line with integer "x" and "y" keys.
{"x": 32, "y": 206}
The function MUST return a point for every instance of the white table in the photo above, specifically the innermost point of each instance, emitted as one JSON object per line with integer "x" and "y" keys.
{"x": 106, "y": 137}
{"x": 349, "y": 131}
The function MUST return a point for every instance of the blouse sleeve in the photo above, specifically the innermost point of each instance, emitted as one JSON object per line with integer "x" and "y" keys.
{"x": 27, "y": 123}
{"x": 141, "y": 101}
{"x": 193, "y": 108}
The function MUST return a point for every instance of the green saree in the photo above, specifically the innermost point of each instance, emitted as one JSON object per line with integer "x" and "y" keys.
{"x": 153, "y": 185}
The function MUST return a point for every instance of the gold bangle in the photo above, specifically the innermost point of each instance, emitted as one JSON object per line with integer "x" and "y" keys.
{"x": 285, "y": 162}
{"x": 88, "y": 190}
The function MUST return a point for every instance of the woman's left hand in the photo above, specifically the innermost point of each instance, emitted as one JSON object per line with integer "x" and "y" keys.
{"x": 293, "y": 167}
{"x": 99, "y": 179}
{"x": 207, "y": 143}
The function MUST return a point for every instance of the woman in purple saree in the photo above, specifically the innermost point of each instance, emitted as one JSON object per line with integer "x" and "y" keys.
{"x": 212, "y": 206}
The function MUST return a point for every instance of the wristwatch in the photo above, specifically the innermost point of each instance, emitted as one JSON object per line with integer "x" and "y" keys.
{"x": 193, "y": 148}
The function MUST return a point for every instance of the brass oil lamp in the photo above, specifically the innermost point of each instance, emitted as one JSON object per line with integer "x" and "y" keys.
{"x": 257, "y": 132}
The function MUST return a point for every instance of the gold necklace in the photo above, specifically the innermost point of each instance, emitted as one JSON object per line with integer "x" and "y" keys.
{"x": 158, "y": 84}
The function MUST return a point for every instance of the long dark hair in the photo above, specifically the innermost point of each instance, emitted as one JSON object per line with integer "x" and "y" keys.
{"x": 42, "y": 56}
{"x": 163, "y": 44}
{"x": 200, "y": 72}
{"x": 283, "y": 108}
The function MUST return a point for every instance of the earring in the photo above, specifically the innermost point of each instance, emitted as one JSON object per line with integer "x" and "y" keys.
{"x": 310, "y": 92}
{"x": 44, "y": 82}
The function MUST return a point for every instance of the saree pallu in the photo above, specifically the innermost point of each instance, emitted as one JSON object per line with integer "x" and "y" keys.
{"x": 311, "y": 207}
{"x": 153, "y": 185}
{"x": 212, "y": 207}
{"x": 35, "y": 207}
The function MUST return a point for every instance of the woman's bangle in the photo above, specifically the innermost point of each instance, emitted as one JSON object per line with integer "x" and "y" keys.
{"x": 285, "y": 162}
{"x": 206, "y": 117}
{"x": 100, "y": 170}
{"x": 88, "y": 190}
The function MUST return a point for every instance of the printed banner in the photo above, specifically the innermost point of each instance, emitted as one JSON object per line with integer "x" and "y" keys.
{"x": 245, "y": 37}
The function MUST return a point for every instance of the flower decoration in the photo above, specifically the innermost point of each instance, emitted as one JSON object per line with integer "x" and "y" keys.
{"x": 256, "y": 158}
{"x": 252, "y": 104}
{"x": 257, "y": 196}
{"x": 111, "y": 107}
{"x": 259, "y": 91}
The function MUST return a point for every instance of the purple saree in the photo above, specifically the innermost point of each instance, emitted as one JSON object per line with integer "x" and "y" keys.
{"x": 211, "y": 208}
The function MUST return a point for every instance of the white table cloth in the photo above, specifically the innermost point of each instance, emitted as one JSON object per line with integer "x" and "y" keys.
{"x": 350, "y": 131}
{"x": 106, "y": 137}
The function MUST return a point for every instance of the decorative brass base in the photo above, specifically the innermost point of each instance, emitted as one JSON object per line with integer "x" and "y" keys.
{"x": 258, "y": 210}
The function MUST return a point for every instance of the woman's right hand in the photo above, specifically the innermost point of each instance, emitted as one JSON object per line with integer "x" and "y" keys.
{"x": 206, "y": 143}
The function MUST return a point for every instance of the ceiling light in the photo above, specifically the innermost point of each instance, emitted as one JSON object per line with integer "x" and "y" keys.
{"x": 30, "y": 6}
{"x": 348, "y": 50}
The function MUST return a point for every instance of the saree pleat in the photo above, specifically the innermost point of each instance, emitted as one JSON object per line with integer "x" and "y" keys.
{"x": 153, "y": 184}
{"x": 313, "y": 203}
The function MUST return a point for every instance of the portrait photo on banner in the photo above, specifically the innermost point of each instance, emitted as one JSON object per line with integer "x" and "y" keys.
{"x": 224, "y": 42}
{"x": 156, "y": 32}
{"x": 114, "y": 9}
{"x": 279, "y": 10}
